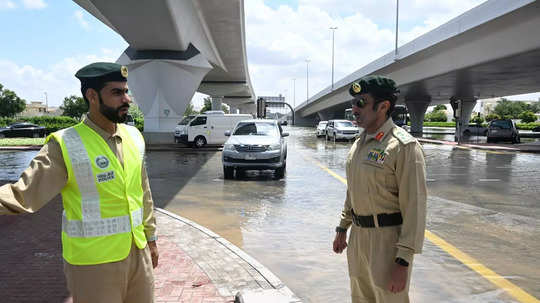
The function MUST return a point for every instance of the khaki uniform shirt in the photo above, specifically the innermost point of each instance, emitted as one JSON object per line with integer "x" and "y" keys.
{"x": 47, "y": 175}
{"x": 386, "y": 174}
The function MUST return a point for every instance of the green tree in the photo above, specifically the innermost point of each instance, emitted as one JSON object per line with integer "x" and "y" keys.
{"x": 510, "y": 109}
{"x": 224, "y": 108}
{"x": 135, "y": 111}
{"x": 74, "y": 107}
{"x": 436, "y": 116}
{"x": 10, "y": 103}
{"x": 535, "y": 107}
{"x": 477, "y": 119}
{"x": 492, "y": 116}
{"x": 527, "y": 117}
{"x": 207, "y": 105}
{"x": 439, "y": 107}
{"x": 190, "y": 111}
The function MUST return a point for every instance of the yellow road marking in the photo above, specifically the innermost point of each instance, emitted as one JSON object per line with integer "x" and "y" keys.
{"x": 485, "y": 272}
{"x": 512, "y": 289}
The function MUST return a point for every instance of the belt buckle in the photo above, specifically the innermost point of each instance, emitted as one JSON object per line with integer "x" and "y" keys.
{"x": 376, "y": 220}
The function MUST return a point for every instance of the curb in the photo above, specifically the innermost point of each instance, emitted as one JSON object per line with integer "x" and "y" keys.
{"x": 272, "y": 279}
{"x": 525, "y": 148}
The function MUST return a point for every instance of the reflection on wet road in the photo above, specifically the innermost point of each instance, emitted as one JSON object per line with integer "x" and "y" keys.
{"x": 481, "y": 202}
{"x": 484, "y": 203}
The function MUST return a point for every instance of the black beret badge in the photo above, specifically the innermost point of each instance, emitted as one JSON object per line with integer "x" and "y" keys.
{"x": 356, "y": 88}
{"x": 124, "y": 71}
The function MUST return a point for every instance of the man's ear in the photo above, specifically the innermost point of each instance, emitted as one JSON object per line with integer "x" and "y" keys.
{"x": 92, "y": 95}
{"x": 384, "y": 105}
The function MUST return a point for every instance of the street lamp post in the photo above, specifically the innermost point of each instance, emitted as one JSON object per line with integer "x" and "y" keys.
{"x": 307, "y": 79}
{"x": 397, "y": 19}
{"x": 333, "y": 29}
{"x": 294, "y": 92}
{"x": 46, "y": 102}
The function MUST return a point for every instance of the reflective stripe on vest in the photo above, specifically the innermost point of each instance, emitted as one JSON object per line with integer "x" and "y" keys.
{"x": 92, "y": 225}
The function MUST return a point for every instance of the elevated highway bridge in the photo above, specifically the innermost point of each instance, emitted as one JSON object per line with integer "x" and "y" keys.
{"x": 175, "y": 49}
{"x": 490, "y": 51}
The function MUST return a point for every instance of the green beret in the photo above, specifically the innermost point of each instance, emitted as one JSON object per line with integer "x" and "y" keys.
{"x": 102, "y": 72}
{"x": 374, "y": 85}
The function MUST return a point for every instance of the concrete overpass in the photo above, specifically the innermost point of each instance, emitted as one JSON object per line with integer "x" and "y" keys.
{"x": 490, "y": 51}
{"x": 177, "y": 48}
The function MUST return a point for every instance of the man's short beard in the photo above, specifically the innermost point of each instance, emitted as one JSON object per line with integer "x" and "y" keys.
{"x": 111, "y": 113}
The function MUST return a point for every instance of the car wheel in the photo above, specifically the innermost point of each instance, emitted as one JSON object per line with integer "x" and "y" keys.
{"x": 228, "y": 172}
{"x": 200, "y": 141}
{"x": 280, "y": 171}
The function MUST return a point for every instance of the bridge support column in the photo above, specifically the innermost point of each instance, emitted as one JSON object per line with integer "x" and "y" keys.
{"x": 162, "y": 89}
{"x": 216, "y": 102}
{"x": 417, "y": 111}
{"x": 248, "y": 108}
{"x": 467, "y": 105}
{"x": 233, "y": 109}
{"x": 322, "y": 116}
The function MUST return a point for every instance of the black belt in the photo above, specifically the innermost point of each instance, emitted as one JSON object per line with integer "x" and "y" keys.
{"x": 382, "y": 220}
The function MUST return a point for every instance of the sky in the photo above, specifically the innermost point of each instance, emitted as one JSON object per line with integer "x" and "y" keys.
{"x": 44, "y": 42}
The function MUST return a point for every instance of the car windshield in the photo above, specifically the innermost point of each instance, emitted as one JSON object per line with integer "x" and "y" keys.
{"x": 186, "y": 120}
{"x": 256, "y": 129}
{"x": 501, "y": 124}
{"x": 323, "y": 124}
{"x": 344, "y": 124}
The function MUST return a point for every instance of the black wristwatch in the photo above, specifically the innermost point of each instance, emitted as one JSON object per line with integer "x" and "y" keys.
{"x": 402, "y": 262}
{"x": 341, "y": 229}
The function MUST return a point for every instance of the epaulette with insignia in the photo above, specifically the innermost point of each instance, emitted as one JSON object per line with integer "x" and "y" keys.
{"x": 403, "y": 135}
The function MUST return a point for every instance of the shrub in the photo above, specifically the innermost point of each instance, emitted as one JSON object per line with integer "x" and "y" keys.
{"x": 477, "y": 120}
{"x": 492, "y": 116}
{"x": 436, "y": 116}
{"x": 527, "y": 117}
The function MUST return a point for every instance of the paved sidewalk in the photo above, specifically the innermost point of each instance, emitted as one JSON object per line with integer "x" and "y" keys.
{"x": 195, "y": 264}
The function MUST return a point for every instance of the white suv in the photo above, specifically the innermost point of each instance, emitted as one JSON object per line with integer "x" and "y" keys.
{"x": 341, "y": 129}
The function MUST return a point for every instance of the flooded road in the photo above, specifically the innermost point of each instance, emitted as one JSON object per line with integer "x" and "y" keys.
{"x": 483, "y": 203}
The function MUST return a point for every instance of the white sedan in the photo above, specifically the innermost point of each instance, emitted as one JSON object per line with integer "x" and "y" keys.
{"x": 321, "y": 129}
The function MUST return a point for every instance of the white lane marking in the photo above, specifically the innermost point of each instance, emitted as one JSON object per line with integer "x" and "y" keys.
{"x": 489, "y": 180}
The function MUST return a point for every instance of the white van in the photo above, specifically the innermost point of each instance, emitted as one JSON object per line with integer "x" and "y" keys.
{"x": 210, "y": 128}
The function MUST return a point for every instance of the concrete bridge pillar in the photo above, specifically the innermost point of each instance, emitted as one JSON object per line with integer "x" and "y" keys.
{"x": 233, "y": 109}
{"x": 417, "y": 111}
{"x": 216, "y": 102}
{"x": 465, "y": 111}
{"x": 322, "y": 116}
{"x": 162, "y": 89}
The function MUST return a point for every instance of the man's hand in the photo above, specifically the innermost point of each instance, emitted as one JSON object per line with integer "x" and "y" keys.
{"x": 153, "y": 253}
{"x": 398, "y": 278}
{"x": 340, "y": 242}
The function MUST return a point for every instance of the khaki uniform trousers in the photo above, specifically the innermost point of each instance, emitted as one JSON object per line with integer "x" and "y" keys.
{"x": 128, "y": 281}
{"x": 371, "y": 254}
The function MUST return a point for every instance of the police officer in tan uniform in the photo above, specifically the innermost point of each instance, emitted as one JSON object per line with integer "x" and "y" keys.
{"x": 129, "y": 277}
{"x": 386, "y": 197}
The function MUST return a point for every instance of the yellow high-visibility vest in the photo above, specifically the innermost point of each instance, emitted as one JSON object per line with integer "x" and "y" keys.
{"x": 103, "y": 201}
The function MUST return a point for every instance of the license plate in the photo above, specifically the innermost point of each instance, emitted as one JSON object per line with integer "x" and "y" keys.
{"x": 250, "y": 157}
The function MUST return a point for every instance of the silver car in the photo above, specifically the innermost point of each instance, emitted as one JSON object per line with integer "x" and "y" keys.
{"x": 341, "y": 129}
{"x": 255, "y": 145}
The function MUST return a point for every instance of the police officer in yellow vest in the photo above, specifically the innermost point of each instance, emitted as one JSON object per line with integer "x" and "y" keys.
{"x": 386, "y": 197}
{"x": 108, "y": 225}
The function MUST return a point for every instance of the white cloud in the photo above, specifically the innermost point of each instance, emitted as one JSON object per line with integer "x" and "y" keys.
{"x": 79, "y": 15}
{"x": 34, "y": 4}
{"x": 58, "y": 80}
{"x": 279, "y": 40}
{"x": 7, "y": 4}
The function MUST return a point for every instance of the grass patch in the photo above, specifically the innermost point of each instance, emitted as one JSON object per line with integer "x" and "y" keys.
{"x": 21, "y": 141}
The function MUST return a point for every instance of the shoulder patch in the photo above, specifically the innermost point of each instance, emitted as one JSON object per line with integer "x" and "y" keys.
{"x": 403, "y": 136}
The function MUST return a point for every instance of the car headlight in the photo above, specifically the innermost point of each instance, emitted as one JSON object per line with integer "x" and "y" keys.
{"x": 228, "y": 147}
{"x": 274, "y": 147}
